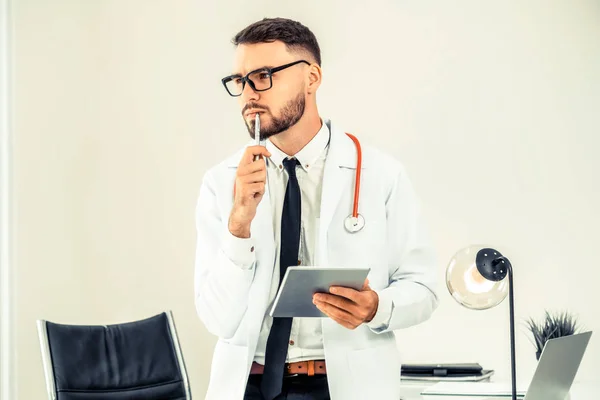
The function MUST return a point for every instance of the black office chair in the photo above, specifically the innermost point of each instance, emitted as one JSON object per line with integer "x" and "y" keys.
{"x": 134, "y": 360}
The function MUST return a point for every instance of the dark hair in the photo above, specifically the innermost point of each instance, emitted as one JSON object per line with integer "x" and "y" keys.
{"x": 295, "y": 35}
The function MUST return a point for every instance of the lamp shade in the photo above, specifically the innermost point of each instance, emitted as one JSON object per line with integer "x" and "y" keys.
{"x": 476, "y": 277}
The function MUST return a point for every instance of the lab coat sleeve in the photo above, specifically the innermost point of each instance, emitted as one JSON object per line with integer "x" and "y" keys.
{"x": 239, "y": 251}
{"x": 381, "y": 320}
{"x": 411, "y": 295}
{"x": 224, "y": 267}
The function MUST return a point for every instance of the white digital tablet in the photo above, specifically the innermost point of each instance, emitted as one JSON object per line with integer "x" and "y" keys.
{"x": 295, "y": 295}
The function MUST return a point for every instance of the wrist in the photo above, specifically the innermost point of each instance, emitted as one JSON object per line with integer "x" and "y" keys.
{"x": 375, "y": 307}
{"x": 239, "y": 229}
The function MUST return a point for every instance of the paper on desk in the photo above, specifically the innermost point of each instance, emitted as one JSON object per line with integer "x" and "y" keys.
{"x": 473, "y": 389}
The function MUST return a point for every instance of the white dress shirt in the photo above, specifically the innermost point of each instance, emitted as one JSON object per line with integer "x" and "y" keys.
{"x": 306, "y": 340}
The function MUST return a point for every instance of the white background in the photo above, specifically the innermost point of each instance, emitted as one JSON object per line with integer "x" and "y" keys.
{"x": 119, "y": 111}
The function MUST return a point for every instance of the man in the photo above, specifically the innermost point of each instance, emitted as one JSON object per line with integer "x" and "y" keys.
{"x": 255, "y": 218}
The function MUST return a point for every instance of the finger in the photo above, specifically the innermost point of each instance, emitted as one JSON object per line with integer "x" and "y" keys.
{"x": 338, "y": 314}
{"x": 335, "y": 311}
{"x": 366, "y": 285}
{"x": 348, "y": 293}
{"x": 359, "y": 310}
{"x": 252, "y": 151}
{"x": 258, "y": 176}
{"x": 251, "y": 189}
{"x": 342, "y": 322}
{"x": 255, "y": 166}
{"x": 337, "y": 301}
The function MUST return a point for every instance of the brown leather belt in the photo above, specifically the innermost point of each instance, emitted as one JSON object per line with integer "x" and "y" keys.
{"x": 310, "y": 368}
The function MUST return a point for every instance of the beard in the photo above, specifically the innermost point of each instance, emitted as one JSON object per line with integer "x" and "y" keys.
{"x": 291, "y": 113}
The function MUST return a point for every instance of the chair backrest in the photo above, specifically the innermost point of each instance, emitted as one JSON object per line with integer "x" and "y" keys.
{"x": 133, "y": 360}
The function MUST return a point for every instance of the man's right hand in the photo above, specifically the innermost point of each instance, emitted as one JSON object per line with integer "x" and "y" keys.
{"x": 250, "y": 181}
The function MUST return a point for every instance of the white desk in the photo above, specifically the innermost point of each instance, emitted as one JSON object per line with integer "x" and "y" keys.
{"x": 412, "y": 391}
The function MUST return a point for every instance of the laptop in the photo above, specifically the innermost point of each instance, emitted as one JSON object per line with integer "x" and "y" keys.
{"x": 552, "y": 379}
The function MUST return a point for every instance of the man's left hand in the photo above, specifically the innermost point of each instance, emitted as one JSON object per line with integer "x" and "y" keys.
{"x": 348, "y": 307}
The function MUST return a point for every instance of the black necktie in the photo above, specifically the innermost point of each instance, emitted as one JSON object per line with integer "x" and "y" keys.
{"x": 279, "y": 336}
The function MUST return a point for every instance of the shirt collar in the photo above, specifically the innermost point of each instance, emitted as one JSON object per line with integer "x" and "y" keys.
{"x": 307, "y": 156}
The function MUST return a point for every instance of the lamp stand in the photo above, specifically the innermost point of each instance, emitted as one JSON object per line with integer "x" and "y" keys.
{"x": 511, "y": 302}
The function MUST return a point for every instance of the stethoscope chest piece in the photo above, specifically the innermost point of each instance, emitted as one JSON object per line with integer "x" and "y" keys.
{"x": 354, "y": 224}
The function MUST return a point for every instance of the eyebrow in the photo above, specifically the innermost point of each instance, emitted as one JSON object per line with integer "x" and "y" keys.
{"x": 255, "y": 69}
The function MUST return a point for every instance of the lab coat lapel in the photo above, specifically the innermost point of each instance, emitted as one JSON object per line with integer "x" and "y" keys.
{"x": 262, "y": 225}
{"x": 263, "y": 232}
{"x": 336, "y": 179}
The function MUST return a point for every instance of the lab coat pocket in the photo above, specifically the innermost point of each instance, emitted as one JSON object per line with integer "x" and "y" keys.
{"x": 376, "y": 371}
{"x": 229, "y": 371}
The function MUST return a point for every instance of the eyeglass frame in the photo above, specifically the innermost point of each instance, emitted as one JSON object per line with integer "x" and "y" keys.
{"x": 246, "y": 78}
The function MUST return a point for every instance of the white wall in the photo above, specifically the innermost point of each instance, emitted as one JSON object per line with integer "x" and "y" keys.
{"x": 7, "y": 350}
{"x": 492, "y": 106}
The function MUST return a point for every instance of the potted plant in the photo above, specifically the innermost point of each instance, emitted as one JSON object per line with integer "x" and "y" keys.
{"x": 553, "y": 325}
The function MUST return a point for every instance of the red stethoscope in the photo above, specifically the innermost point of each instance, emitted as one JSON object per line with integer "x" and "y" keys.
{"x": 355, "y": 221}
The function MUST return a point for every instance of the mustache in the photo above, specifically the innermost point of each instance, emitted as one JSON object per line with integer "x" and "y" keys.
{"x": 254, "y": 106}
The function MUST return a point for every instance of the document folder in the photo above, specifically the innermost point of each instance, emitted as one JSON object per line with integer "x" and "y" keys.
{"x": 465, "y": 372}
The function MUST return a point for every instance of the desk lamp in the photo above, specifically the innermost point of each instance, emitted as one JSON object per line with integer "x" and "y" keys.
{"x": 476, "y": 278}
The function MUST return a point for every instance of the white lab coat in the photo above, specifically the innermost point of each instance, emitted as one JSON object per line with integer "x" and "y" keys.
{"x": 231, "y": 302}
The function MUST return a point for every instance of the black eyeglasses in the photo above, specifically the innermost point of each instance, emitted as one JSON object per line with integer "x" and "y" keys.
{"x": 259, "y": 80}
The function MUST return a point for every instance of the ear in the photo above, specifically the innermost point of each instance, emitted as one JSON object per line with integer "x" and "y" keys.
{"x": 314, "y": 78}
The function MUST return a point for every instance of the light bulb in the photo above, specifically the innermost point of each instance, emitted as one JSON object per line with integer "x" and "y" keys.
{"x": 475, "y": 282}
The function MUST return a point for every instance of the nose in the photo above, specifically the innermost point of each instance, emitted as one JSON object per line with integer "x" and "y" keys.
{"x": 248, "y": 94}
